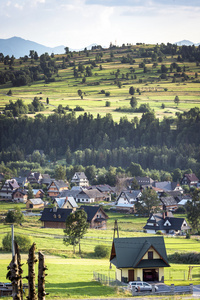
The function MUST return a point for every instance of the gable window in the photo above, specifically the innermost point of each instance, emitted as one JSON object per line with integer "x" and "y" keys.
{"x": 150, "y": 255}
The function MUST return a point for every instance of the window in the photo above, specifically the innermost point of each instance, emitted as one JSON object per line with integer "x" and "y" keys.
{"x": 150, "y": 255}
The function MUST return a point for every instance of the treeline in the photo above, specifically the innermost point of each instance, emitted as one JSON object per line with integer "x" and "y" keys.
{"x": 46, "y": 66}
{"x": 101, "y": 141}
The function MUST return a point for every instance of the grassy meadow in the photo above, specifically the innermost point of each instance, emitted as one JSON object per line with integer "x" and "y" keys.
{"x": 153, "y": 90}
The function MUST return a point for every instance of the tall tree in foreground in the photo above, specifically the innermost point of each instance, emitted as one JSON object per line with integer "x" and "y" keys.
{"x": 148, "y": 203}
{"x": 76, "y": 227}
{"x": 193, "y": 210}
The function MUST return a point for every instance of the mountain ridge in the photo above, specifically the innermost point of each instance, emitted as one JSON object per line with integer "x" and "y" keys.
{"x": 20, "y": 47}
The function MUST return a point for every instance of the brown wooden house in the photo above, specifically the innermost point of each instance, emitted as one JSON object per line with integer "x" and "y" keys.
{"x": 96, "y": 216}
{"x": 55, "y": 217}
{"x": 55, "y": 187}
{"x": 20, "y": 195}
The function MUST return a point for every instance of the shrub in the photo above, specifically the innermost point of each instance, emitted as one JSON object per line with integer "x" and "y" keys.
{"x": 107, "y": 94}
{"x": 101, "y": 251}
{"x": 14, "y": 216}
{"x": 107, "y": 103}
{"x": 188, "y": 236}
{"x": 24, "y": 242}
{"x": 185, "y": 258}
{"x": 159, "y": 232}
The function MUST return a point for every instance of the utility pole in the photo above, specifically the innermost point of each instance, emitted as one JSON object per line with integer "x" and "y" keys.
{"x": 13, "y": 245}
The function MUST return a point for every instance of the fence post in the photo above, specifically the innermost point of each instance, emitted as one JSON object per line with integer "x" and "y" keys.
{"x": 13, "y": 276}
{"x": 41, "y": 277}
{"x": 31, "y": 273}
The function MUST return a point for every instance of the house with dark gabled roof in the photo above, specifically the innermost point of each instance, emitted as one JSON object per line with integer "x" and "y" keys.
{"x": 80, "y": 179}
{"x": 8, "y": 188}
{"x": 139, "y": 258}
{"x": 89, "y": 196}
{"x": 56, "y": 187}
{"x": 20, "y": 195}
{"x": 96, "y": 216}
{"x": 167, "y": 186}
{"x": 55, "y": 217}
{"x": 46, "y": 179}
{"x": 127, "y": 200}
{"x": 190, "y": 179}
{"x": 169, "y": 203}
{"x": 22, "y": 181}
{"x": 166, "y": 223}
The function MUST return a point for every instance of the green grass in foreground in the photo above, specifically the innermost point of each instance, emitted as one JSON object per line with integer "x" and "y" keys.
{"x": 73, "y": 278}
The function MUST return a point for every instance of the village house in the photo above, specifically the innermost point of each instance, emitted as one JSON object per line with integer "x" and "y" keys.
{"x": 96, "y": 216}
{"x": 66, "y": 202}
{"x": 56, "y": 187}
{"x": 106, "y": 190}
{"x": 190, "y": 179}
{"x": 38, "y": 193}
{"x": 167, "y": 186}
{"x": 169, "y": 203}
{"x": 34, "y": 203}
{"x": 20, "y": 195}
{"x": 8, "y": 188}
{"x": 80, "y": 179}
{"x": 89, "y": 196}
{"x": 46, "y": 179}
{"x": 55, "y": 217}
{"x": 139, "y": 258}
{"x": 127, "y": 199}
{"x": 22, "y": 181}
{"x": 34, "y": 177}
{"x": 166, "y": 223}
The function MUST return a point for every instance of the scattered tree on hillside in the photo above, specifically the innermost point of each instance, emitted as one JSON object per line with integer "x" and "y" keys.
{"x": 176, "y": 100}
{"x": 131, "y": 90}
{"x": 80, "y": 93}
{"x": 133, "y": 102}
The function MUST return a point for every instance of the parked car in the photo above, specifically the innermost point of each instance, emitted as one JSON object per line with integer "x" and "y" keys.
{"x": 138, "y": 286}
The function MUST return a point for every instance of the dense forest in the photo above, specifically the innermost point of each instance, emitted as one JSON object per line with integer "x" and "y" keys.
{"x": 85, "y": 140}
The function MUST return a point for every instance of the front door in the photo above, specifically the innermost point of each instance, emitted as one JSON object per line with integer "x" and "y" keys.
{"x": 130, "y": 275}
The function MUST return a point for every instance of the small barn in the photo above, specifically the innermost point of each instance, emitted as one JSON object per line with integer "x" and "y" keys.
{"x": 34, "y": 203}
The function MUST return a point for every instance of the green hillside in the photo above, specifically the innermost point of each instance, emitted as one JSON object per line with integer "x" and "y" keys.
{"x": 158, "y": 74}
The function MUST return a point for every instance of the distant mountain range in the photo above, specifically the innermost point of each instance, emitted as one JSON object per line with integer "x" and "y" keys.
{"x": 20, "y": 47}
{"x": 186, "y": 43}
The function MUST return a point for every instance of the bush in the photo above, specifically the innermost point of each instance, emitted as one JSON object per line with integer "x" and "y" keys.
{"x": 24, "y": 242}
{"x": 188, "y": 236}
{"x": 107, "y": 94}
{"x": 107, "y": 104}
{"x": 159, "y": 232}
{"x": 14, "y": 216}
{"x": 101, "y": 251}
{"x": 185, "y": 258}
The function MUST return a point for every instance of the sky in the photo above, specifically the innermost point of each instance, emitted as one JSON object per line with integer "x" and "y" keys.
{"x": 79, "y": 23}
